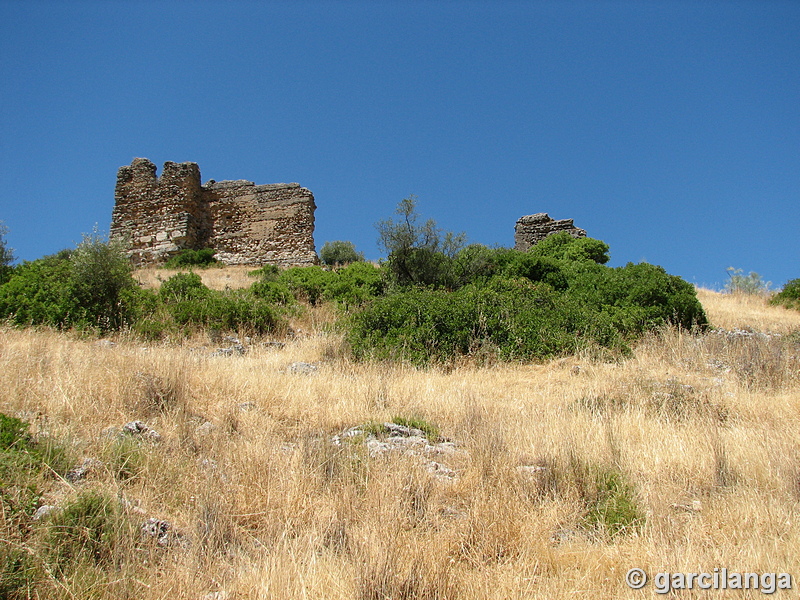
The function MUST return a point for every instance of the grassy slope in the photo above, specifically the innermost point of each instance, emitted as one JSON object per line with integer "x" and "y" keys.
{"x": 279, "y": 513}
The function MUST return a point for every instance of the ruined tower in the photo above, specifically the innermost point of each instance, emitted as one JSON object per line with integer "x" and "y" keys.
{"x": 532, "y": 229}
{"x": 245, "y": 223}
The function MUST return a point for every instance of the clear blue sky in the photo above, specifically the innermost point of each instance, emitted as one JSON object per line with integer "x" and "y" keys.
{"x": 670, "y": 130}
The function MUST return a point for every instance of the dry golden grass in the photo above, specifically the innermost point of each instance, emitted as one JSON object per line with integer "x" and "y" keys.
{"x": 216, "y": 278}
{"x": 705, "y": 429}
{"x": 732, "y": 311}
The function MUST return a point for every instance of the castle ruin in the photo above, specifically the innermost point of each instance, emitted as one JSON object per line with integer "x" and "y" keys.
{"x": 246, "y": 224}
{"x": 532, "y": 229}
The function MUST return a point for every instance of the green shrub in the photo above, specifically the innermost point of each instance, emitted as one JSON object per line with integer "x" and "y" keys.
{"x": 274, "y": 292}
{"x": 90, "y": 287}
{"x": 637, "y": 297}
{"x": 527, "y": 306}
{"x": 355, "y": 284}
{"x": 183, "y": 286}
{"x": 40, "y": 293}
{"x": 226, "y": 311}
{"x": 339, "y": 253}
{"x": 184, "y": 304}
{"x": 511, "y": 320}
{"x": 192, "y": 258}
{"x": 789, "y": 296}
{"x": 101, "y": 272}
{"x": 562, "y": 246}
{"x": 535, "y": 268}
{"x": 307, "y": 283}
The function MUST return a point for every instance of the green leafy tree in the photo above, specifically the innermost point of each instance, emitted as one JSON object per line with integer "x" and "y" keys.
{"x": 101, "y": 273}
{"x": 419, "y": 253}
{"x": 339, "y": 253}
{"x": 6, "y": 255}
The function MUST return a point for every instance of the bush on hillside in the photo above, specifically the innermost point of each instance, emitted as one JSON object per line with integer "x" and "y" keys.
{"x": 307, "y": 283}
{"x": 356, "y": 284}
{"x": 192, "y": 258}
{"x": 101, "y": 273}
{"x": 527, "y": 306}
{"x": 510, "y": 319}
{"x": 90, "y": 287}
{"x": 39, "y": 293}
{"x": 226, "y": 311}
{"x": 789, "y": 296}
{"x": 339, "y": 253}
{"x": 183, "y": 286}
{"x": 275, "y": 292}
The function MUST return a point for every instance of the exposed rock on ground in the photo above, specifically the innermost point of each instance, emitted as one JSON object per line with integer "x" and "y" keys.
{"x": 391, "y": 437}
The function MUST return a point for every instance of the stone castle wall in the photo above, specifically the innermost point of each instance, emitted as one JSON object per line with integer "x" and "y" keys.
{"x": 245, "y": 223}
{"x": 532, "y": 229}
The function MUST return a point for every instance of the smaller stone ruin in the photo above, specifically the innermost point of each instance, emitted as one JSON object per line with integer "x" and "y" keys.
{"x": 532, "y": 229}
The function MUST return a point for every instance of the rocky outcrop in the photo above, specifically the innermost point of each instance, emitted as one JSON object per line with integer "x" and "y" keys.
{"x": 532, "y": 229}
{"x": 245, "y": 223}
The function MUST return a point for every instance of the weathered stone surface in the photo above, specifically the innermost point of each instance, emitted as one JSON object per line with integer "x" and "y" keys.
{"x": 43, "y": 511}
{"x": 138, "y": 428}
{"x": 83, "y": 469}
{"x": 532, "y": 229}
{"x": 163, "y": 532}
{"x": 409, "y": 441}
{"x": 303, "y": 368}
{"x": 247, "y": 224}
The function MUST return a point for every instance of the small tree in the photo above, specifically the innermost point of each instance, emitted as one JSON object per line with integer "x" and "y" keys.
{"x": 751, "y": 284}
{"x": 418, "y": 253}
{"x": 6, "y": 255}
{"x": 101, "y": 273}
{"x": 339, "y": 253}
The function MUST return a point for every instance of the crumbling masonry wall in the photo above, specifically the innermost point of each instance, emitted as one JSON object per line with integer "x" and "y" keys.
{"x": 532, "y": 229}
{"x": 245, "y": 223}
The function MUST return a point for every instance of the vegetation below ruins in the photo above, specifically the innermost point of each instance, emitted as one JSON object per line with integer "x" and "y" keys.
{"x": 432, "y": 301}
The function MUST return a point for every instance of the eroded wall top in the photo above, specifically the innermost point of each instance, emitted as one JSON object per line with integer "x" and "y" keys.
{"x": 532, "y": 229}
